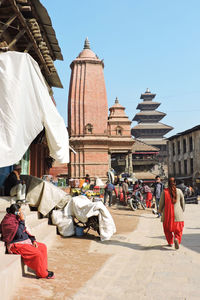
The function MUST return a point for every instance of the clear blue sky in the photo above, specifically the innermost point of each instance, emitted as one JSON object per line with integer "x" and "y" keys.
{"x": 145, "y": 44}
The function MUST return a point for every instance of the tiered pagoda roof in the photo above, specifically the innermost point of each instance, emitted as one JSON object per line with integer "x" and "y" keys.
{"x": 148, "y": 119}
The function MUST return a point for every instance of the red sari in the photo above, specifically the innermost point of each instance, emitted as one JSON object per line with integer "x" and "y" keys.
{"x": 171, "y": 228}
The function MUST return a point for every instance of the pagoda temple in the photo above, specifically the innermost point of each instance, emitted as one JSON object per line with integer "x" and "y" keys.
{"x": 149, "y": 128}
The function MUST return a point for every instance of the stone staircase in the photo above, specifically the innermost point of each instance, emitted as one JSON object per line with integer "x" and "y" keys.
{"x": 11, "y": 268}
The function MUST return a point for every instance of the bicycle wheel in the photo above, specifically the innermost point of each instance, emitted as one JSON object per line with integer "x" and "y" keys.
{"x": 132, "y": 204}
{"x": 143, "y": 205}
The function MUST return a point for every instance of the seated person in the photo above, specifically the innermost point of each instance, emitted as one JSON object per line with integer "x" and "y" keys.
{"x": 87, "y": 179}
{"x": 19, "y": 241}
{"x": 14, "y": 186}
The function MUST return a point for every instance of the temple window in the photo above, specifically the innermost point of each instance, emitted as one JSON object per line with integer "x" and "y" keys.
{"x": 89, "y": 128}
{"x": 118, "y": 131}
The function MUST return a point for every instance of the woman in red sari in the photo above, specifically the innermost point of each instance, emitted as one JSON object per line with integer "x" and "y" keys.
{"x": 172, "y": 206}
{"x": 19, "y": 241}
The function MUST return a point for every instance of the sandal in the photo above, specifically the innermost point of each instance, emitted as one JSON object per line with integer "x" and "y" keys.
{"x": 176, "y": 244}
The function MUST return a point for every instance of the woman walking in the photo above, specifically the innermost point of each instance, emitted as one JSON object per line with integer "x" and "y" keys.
{"x": 172, "y": 206}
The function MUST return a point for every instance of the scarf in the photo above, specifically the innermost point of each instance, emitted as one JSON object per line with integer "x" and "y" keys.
{"x": 169, "y": 211}
{"x": 8, "y": 228}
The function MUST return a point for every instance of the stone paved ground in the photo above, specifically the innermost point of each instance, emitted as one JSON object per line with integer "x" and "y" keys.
{"x": 143, "y": 267}
{"x": 72, "y": 262}
{"x": 134, "y": 265}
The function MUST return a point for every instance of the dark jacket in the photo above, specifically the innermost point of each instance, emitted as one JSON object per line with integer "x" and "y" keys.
{"x": 110, "y": 187}
{"x": 10, "y": 181}
{"x": 155, "y": 185}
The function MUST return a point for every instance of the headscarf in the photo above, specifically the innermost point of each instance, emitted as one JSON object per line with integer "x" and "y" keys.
{"x": 9, "y": 224}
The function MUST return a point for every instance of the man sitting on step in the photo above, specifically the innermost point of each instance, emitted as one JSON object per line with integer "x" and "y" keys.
{"x": 14, "y": 186}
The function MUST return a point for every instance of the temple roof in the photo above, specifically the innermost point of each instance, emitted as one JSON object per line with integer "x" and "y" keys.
{"x": 152, "y": 126}
{"x": 153, "y": 141}
{"x": 147, "y": 95}
{"x": 141, "y": 146}
{"x": 151, "y": 104}
{"x": 26, "y": 27}
{"x": 117, "y": 105}
{"x": 87, "y": 52}
{"x": 117, "y": 112}
{"x": 151, "y": 113}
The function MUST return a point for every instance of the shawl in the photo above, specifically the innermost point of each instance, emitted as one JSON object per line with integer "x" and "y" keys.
{"x": 169, "y": 211}
{"x": 9, "y": 226}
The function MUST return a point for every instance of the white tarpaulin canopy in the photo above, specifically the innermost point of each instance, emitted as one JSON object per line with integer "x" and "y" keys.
{"x": 25, "y": 109}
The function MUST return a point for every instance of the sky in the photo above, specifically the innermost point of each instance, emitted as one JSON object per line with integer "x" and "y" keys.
{"x": 151, "y": 44}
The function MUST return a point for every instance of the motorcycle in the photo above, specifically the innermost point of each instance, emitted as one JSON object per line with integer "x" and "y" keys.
{"x": 92, "y": 223}
{"x": 136, "y": 200}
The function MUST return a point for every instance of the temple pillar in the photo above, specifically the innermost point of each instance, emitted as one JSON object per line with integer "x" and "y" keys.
{"x": 130, "y": 163}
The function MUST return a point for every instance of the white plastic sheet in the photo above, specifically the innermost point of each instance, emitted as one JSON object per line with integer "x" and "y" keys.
{"x": 25, "y": 109}
{"x": 82, "y": 208}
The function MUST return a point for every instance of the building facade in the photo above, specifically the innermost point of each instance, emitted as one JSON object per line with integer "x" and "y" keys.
{"x": 184, "y": 156}
{"x": 145, "y": 161}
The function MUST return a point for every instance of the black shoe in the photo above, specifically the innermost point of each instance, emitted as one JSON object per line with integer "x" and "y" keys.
{"x": 50, "y": 275}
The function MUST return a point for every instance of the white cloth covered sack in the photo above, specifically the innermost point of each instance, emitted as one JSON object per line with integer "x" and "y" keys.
{"x": 82, "y": 208}
{"x": 25, "y": 109}
{"x": 65, "y": 224}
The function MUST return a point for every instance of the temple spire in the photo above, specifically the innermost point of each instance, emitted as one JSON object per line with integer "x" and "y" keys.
{"x": 87, "y": 44}
{"x": 116, "y": 100}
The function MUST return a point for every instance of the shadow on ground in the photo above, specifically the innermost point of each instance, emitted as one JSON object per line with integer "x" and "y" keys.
{"x": 135, "y": 246}
{"x": 191, "y": 241}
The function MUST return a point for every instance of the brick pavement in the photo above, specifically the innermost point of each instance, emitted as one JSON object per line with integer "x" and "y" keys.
{"x": 143, "y": 267}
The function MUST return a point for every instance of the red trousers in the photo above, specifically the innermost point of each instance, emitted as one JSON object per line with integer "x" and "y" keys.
{"x": 177, "y": 233}
{"x": 34, "y": 258}
{"x": 148, "y": 199}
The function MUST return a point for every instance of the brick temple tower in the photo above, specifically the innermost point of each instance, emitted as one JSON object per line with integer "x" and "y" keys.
{"x": 120, "y": 139}
{"x": 88, "y": 116}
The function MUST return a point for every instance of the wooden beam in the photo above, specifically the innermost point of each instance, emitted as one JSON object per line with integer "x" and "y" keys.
{"x": 30, "y": 45}
{"x": 24, "y": 8}
{"x": 1, "y": 2}
{"x": 17, "y": 38}
{"x": 7, "y": 24}
{"x": 22, "y": 1}
{"x": 30, "y": 35}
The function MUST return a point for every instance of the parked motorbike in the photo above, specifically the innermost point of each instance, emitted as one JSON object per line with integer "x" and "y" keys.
{"x": 136, "y": 200}
{"x": 92, "y": 223}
